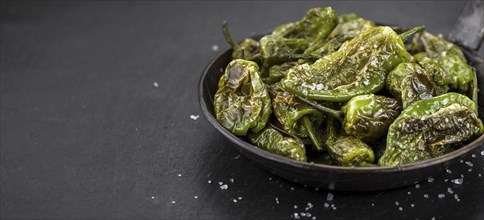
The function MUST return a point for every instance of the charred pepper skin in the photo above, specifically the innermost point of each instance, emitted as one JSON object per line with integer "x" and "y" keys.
{"x": 296, "y": 117}
{"x": 409, "y": 82}
{"x": 349, "y": 26}
{"x": 242, "y": 101}
{"x": 430, "y": 128}
{"x": 368, "y": 117}
{"x": 316, "y": 25}
{"x": 359, "y": 67}
{"x": 273, "y": 141}
{"x": 449, "y": 56}
{"x": 347, "y": 150}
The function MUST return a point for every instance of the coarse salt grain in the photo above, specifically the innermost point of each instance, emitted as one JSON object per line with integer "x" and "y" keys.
{"x": 277, "y": 200}
{"x": 295, "y": 206}
{"x": 430, "y": 180}
{"x": 397, "y": 203}
{"x": 215, "y": 47}
{"x": 232, "y": 180}
{"x": 326, "y": 205}
{"x": 482, "y": 153}
{"x": 469, "y": 163}
{"x": 417, "y": 186}
{"x": 173, "y": 202}
{"x": 441, "y": 196}
{"x": 400, "y": 208}
{"x": 152, "y": 197}
{"x": 209, "y": 181}
{"x": 292, "y": 188}
{"x": 196, "y": 197}
{"x": 450, "y": 190}
{"x": 224, "y": 186}
{"x": 235, "y": 200}
{"x": 220, "y": 183}
{"x": 240, "y": 198}
{"x": 329, "y": 197}
{"x": 412, "y": 205}
{"x": 194, "y": 117}
{"x": 457, "y": 181}
{"x": 409, "y": 193}
{"x": 426, "y": 196}
{"x": 155, "y": 84}
{"x": 179, "y": 175}
{"x": 473, "y": 155}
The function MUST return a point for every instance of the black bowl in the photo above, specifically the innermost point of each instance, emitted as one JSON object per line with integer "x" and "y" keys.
{"x": 327, "y": 176}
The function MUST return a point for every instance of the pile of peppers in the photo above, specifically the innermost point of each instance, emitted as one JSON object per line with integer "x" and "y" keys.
{"x": 340, "y": 90}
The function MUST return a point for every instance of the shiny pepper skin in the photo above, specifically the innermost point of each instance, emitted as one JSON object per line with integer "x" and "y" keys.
{"x": 273, "y": 141}
{"x": 316, "y": 25}
{"x": 296, "y": 117}
{"x": 358, "y": 67}
{"x": 368, "y": 116}
{"x": 242, "y": 101}
{"x": 430, "y": 128}
{"x": 347, "y": 150}
{"x": 409, "y": 82}
{"x": 349, "y": 27}
{"x": 448, "y": 55}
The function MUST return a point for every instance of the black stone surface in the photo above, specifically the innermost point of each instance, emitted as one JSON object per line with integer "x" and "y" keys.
{"x": 85, "y": 134}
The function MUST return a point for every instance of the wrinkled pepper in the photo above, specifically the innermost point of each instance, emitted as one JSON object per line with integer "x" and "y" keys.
{"x": 297, "y": 117}
{"x": 248, "y": 49}
{"x": 430, "y": 128}
{"x": 242, "y": 101}
{"x": 448, "y": 55}
{"x": 365, "y": 116}
{"x": 359, "y": 67}
{"x": 273, "y": 141}
{"x": 277, "y": 72}
{"x": 347, "y": 150}
{"x": 409, "y": 83}
{"x": 349, "y": 26}
{"x": 316, "y": 24}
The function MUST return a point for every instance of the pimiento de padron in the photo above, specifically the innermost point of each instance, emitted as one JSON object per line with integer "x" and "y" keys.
{"x": 342, "y": 88}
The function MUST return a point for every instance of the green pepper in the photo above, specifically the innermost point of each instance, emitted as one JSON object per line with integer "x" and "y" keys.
{"x": 348, "y": 28}
{"x": 358, "y": 67}
{"x": 316, "y": 24}
{"x": 409, "y": 83}
{"x": 277, "y": 50}
{"x": 297, "y": 118}
{"x": 248, "y": 49}
{"x": 365, "y": 116}
{"x": 273, "y": 141}
{"x": 430, "y": 128}
{"x": 277, "y": 72}
{"x": 433, "y": 68}
{"x": 347, "y": 150}
{"x": 448, "y": 55}
{"x": 242, "y": 101}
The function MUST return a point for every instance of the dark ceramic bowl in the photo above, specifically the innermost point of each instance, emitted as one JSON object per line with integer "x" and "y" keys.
{"x": 327, "y": 176}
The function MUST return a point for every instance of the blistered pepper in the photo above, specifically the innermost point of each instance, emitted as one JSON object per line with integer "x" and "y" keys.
{"x": 358, "y": 67}
{"x": 242, "y": 101}
{"x": 248, "y": 49}
{"x": 430, "y": 128}
{"x": 347, "y": 150}
{"x": 448, "y": 55}
{"x": 316, "y": 24}
{"x": 365, "y": 116}
{"x": 409, "y": 83}
{"x": 273, "y": 141}
{"x": 349, "y": 26}
{"x": 277, "y": 72}
{"x": 296, "y": 117}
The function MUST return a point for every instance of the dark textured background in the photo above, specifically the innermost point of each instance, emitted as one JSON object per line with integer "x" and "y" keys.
{"x": 85, "y": 134}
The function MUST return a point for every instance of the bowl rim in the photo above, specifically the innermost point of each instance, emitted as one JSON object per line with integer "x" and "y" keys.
{"x": 316, "y": 166}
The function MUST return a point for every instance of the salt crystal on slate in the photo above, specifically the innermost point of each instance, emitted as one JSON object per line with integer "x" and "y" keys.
{"x": 450, "y": 190}
{"x": 329, "y": 197}
{"x": 210, "y": 181}
{"x": 196, "y": 197}
{"x": 155, "y": 84}
{"x": 215, "y": 47}
{"x": 409, "y": 193}
{"x": 224, "y": 186}
{"x": 326, "y": 205}
{"x": 448, "y": 171}
{"x": 457, "y": 181}
{"x": 231, "y": 180}
{"x": 400, "y": 208}
{"x": 417, "y": 186}
{"x": 426, "y": 195}
{"x": 441, "y": 196}
{"x": 469, "y": 163}
{"x": 412, "y": 205}
{"x": 235, "y": 200}
{"x": 277, "y": 200}
{"x": 431, "y": 179}
{"x": 173, "y": 202}
{"x": 194, "y": 117}
{"x": 295, "y": 206}
{"x": 397, "y": 203}
{"x": 473, "y": 155}
{"x": 482, "y": 153}
{"x": 240, "y": 198}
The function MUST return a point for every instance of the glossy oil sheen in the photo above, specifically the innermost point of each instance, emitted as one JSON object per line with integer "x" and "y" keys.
{"x": 327, "y": 176}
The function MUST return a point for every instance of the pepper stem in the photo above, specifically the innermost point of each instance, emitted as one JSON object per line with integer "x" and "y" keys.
{"x": 306, "y": 122}
{"x": 333, "y": 113}
{"x": 405, "y": 35}
{"x": 229, "y": 37}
